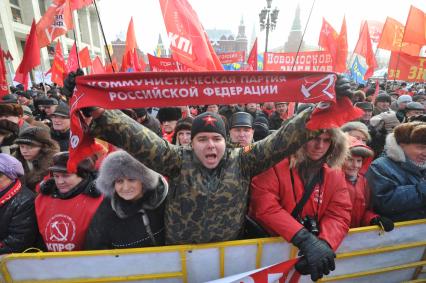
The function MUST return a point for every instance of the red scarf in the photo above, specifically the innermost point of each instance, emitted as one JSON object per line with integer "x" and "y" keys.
{"x": 11, "y": 193}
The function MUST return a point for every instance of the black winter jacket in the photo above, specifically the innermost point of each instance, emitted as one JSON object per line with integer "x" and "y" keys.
{"x": 18, "y": 224}
{"x": 120, "y": 224}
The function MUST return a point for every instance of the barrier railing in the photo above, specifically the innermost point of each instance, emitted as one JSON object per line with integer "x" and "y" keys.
{"x": 366, "y": 254}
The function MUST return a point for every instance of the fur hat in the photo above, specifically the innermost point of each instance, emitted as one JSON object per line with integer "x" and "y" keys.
{"x": 357, "y": 148}
{"x": 356, "y": 126}
{"x": 405, "y": 98}
{"x": 414, "y": 106}
{"x": 44, "y": 100}
{"x": 8, "y": 128}
{"x": 336, "y": 154}
{"x": 11, "y": 109}
{"x": 37, "y": 136}
{"x": 413, "y": 132}
{"x": 182, "y": 124}
{"x": 208, "y": 122}
{"x": 62, "y": 110}
{"x": 261, "y": 128}
{"x": 169, "y": 114}
{"x": 120, "y": 164}
{"x": 383, "y": 98}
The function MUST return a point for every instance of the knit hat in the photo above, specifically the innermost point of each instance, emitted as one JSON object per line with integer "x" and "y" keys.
{"x": 120, "y": 164}
{"x": 405, "y": 98}
{"x": 356, "y": 126}
{"x": 208, "y": 122}
{"x": 62, "y": 110}
{"x": 261, "y": 128}
{"x": 10, "y": 98}
{"x": 169, "y": 114}
{"x": 364, "y": 105}
{"x": 11, "y": 109}
{"x": 413, "y": 132}
{"x": 383, "y": 98}
{"x": 10, "y": 166}
{"x": 35, "y": 136}
{"x": 241, "y": 119}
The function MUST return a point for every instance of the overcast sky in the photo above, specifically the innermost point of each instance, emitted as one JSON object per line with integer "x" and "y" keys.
{"x": 226, "y": 14}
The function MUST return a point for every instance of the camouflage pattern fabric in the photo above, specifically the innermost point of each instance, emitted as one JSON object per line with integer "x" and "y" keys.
{"x": 203, "y": 205}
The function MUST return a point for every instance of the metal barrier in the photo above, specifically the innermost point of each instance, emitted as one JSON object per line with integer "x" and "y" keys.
{"x": 366, "y": 254}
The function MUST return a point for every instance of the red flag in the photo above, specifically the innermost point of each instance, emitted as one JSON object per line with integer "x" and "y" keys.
{"x": 415, "y": 28}
{"x": 142, "y": 64}
{"x": 391, "y": 39}
{"x": 31, "y": 57}
{"x": 97, "y": 66}
{"x": 136, "y": 62}
{"x": 78, "y": 4}
{"x": 252, "y": 59}
{"x": 131, "y": 44}
{"x": 72, "y": 62}
{"x": 342, "y": 49}
{"x": 55, "y": 22}
{"x": 365, "y": 49}
{"x": 58, "y": 70}
{"x": 189, "y": 43}
{"x": 328, "y": 39}
{"x": 4, "y": 89}
{"x": 84, "y": 57}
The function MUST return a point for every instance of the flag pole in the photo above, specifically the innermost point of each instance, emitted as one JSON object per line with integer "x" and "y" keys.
{"x": 42, "y": 78}
{"x": 303, "y": 35}
{"x": 75, "y": 36}
{"x": 103, "y": 35}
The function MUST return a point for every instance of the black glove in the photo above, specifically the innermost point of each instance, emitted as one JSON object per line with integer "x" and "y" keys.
{"x": 318, "y": 256}
{"x": 385, "y": 222}
{"x": 69, "y": 82}
{"x": 343, "y": 87}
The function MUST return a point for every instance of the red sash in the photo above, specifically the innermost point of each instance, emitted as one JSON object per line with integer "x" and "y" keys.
{"x": 11, "y": 193}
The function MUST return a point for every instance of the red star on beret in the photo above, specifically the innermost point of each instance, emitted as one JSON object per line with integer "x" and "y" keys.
{"x": 209, "y": 120}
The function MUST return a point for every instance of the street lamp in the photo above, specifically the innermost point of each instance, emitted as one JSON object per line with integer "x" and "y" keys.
{"x": 268, "y": 20}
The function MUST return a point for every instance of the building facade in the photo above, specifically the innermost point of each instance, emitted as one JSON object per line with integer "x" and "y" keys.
{"x": 224, "y": 41}
{"x": 16, "y": 17}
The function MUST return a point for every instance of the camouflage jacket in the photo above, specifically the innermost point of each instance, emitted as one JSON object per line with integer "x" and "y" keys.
{"x": 203, "y": 205}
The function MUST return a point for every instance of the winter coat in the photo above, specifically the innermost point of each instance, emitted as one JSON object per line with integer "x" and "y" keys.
{"x": 360, "y": 198}
{"x": 18, "y": 226}
{"x": 202, "y": 205}
{"x": 398, "y": 187}
{"x": 63, "y": 219}
{"x": 119, "y": 224}
{"x": 273, "y": 198}
{"x": 62, "y": 138}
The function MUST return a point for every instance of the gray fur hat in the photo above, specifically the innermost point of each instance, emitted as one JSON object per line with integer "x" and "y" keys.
{"x": 121, "y": 164}
{"x": 356, "y": 126}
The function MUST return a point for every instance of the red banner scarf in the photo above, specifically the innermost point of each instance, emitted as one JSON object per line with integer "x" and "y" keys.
{"x": 11, "y": 193}
{"x": 134, "y": 90}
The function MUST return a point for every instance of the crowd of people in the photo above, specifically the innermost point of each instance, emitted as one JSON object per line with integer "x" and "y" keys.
{"x": 199, "y": 174}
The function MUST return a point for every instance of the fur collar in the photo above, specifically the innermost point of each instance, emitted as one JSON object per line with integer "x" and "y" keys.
{"x": 393, "y": 150}
{"x": 335, "y": 156}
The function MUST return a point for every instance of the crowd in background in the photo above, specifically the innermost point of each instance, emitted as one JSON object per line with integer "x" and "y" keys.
{"x": 139, "y": 190}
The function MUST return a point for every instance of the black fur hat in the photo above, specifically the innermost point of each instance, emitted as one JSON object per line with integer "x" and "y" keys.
{"x": 169, "y": 114}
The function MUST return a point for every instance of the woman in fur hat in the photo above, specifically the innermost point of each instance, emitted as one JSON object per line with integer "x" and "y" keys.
{"x": 36, "y": 150}
{"x": 182, "y": 133}
{"x": 361, "y": 215}
{"x": 398, "y": 178}
{"x": 132, "y": 213}
{"x": 66, "y": 204}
